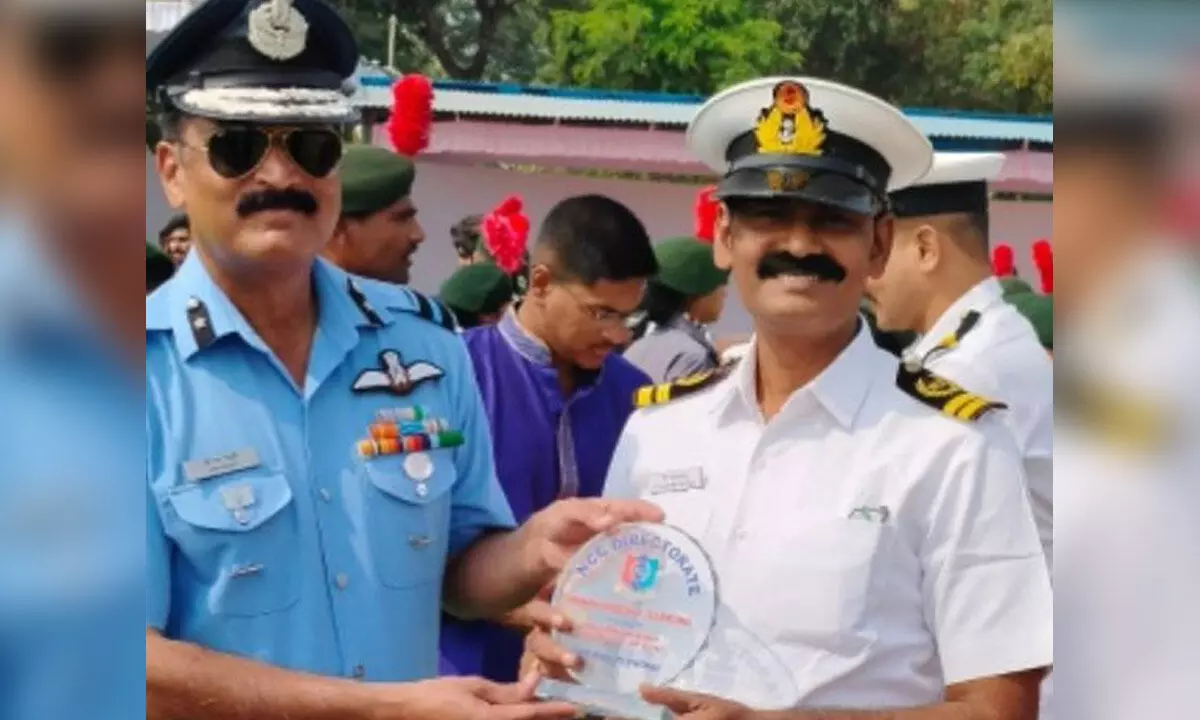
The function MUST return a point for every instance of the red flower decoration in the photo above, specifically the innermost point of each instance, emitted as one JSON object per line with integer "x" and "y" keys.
{"x": 412, "y": 114}
{"x": 1003, "y": 263}
{"x": 1043, "y": 260}
{"x": 705, "y": 213}
{"x": 505, "y": 234}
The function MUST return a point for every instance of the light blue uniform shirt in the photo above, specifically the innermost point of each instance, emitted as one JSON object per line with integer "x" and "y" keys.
{"x": 268, "y": 535}
{"x": 71, "y": 548}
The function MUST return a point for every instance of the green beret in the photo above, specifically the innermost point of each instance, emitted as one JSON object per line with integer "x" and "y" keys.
{"x": 685, "y": 265}
{"x": 373, "y": 179}
{"x": 1014, "y": 285}
{"x": 1039, "y": 311}
{"x": 159, "y": 267}
{"x": 475, "y": 290}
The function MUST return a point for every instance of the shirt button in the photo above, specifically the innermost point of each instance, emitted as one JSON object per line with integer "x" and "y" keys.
{"x": 360, "y": 671}
{"x": 342, "y": 580}
{"x": 326, "y": 495}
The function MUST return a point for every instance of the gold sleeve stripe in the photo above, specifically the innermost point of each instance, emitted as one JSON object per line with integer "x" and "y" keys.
{"x": 644, "y": 396}
{"x": 662, "y": 393}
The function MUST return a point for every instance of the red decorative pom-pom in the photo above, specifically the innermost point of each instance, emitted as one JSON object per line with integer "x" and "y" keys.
{"x": 705, "y": 212}
{"x": 1003, "y": 263}
{"x": 505, "y": 234}
{"x": 1043, "y": 260}
{"x": 412, "y": 114}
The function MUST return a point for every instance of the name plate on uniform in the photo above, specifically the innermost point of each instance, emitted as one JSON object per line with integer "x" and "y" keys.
{"x": 643, "y": 600}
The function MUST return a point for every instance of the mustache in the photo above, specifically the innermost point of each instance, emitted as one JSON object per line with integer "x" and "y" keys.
{"x": 276, "y": 199}
{"x": 818, "y": 265}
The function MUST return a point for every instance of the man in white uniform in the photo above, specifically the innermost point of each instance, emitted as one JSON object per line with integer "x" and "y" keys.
{"x": 939, "y": 283}
{"x": 883, "y": 552}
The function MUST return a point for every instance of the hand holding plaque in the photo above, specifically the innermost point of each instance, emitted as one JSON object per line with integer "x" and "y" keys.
{"x": 642, "y": 600}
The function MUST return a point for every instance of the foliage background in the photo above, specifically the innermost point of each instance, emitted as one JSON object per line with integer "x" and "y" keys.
{"x": 992, "y": 55}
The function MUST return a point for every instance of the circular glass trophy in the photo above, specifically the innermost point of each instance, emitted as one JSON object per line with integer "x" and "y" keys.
{"x": 642, "y": 600}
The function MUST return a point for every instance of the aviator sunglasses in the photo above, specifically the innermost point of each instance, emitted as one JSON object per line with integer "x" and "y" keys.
{"x": 235, "y": 151}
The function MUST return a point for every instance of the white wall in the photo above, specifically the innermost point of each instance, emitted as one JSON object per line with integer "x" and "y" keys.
{"x": 445, "y": 193}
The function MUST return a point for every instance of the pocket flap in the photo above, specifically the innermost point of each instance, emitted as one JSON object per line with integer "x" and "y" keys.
{"x": 401, "y": 475}
{"x": 237, "y": 505}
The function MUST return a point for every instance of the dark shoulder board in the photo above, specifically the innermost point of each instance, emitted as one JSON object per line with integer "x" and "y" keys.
{"x": 434, "y": 311}
{"x": 664, "y": 393}
{"x": 943, "y": 395}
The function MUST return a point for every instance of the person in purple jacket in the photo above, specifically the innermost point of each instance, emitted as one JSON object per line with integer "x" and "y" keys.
{"x": 555, "y": 392}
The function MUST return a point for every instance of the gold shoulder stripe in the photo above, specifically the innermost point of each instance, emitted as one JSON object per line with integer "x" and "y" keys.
{"x": 943, "y": 395}
{"x": 666, "y": 392}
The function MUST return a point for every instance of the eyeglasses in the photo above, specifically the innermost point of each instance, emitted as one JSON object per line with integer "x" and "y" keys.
{"x": 235, "y": 151}
{"x": 601, "y": 315}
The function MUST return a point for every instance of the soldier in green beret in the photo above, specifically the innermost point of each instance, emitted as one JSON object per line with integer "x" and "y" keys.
{"x": 1039, "y": 311}
{"x": 687, "y": 295}
{"x": 478, "y": 294}
{"x": 159, "y": 267}
{"x": 378, "y": 232}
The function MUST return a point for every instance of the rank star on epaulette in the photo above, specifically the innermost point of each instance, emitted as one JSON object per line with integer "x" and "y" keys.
{"x": 943, "y": 395}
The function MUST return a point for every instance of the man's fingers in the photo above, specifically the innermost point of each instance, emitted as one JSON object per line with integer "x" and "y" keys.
{"x": 507, "y": 693}
{"x": 676, "y": 701}
{"x": 542, "y": 646}
{"x": 543, "y": 615}
{"x": 608, "y": 513}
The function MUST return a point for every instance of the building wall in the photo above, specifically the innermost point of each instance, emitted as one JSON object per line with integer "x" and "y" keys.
{"x": 444, "y": 193}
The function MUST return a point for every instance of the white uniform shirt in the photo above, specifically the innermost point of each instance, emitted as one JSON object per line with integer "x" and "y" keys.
{"x": 1002, "y": 359}
{"x": 876, "y": 547}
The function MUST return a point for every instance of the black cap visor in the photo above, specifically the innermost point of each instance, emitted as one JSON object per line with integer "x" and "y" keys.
{"x": 823, "y": 187}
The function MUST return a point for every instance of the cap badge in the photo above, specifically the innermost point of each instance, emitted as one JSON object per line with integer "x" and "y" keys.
{"x": 790, "y": 126}
{"x": 278, "y": 30}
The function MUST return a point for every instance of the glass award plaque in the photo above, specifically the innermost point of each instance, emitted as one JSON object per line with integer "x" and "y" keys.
{"x": 642, "y": 600}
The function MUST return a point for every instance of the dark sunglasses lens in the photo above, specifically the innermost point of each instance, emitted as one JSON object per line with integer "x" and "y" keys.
{"x": 316, "y": 151}
{"x": 233, "y": 152}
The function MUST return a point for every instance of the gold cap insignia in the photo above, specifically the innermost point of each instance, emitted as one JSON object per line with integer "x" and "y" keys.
{"x": 790, "y": 126}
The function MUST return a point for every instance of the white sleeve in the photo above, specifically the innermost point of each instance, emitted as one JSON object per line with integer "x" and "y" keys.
{"x": 619, "y": 481}
{"x": 986, "y": 587}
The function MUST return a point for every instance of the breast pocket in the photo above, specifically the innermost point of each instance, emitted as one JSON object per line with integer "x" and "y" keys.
{"x": 239, "y": 537}
{"x": 408, "y": 500}
{"x": 821, "y": 577}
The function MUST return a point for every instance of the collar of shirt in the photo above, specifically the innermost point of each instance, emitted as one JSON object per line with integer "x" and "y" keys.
{"x": 693, "y": 329}
{"x": 536, "y": 351}
{"x": 839, "y": 389}
{"x": 338, "y": 316}
{"x": 986, "y": 293}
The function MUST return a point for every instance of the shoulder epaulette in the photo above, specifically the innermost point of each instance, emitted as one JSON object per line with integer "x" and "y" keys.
{"x": 434, "y": 311}
{"x": 943, "y": 395}
{"x": 664, "y": 393}
{"x": 951, "y": 341}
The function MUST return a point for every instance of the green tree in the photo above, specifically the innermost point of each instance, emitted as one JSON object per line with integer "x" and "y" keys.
{"x": 683, "y": 46}
{"x": 461, "y": 39}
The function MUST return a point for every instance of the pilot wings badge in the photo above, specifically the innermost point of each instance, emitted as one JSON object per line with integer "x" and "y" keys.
{"x": 394, "y": 376}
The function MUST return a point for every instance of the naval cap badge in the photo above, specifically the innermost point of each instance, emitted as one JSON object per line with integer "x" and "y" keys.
{"x": 278, "y": 30}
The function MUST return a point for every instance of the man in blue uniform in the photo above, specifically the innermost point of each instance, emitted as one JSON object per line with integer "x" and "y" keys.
{"x": 319, "y": 469}
{"x": 72, "y": 213}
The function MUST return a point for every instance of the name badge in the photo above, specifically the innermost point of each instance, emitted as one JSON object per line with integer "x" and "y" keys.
{"x": 674, "y": 481}
{"x": 199, "y": 470}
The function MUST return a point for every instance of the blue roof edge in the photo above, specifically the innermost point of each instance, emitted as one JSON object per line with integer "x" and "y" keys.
{"x": 673, "y": 98}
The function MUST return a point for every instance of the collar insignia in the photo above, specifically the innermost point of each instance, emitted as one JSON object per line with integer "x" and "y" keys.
{"x": 790, "y": 126}
{"x": 394, "y": 377}
{"x": 278, "y": 30}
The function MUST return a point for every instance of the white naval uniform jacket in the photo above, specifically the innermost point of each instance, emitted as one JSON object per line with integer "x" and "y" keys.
{"x": 1002, "y": 359}
{"x": 877, "y": 548}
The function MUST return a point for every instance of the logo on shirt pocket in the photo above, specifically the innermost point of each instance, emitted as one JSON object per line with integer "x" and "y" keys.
{"x": 241, "y": 538}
